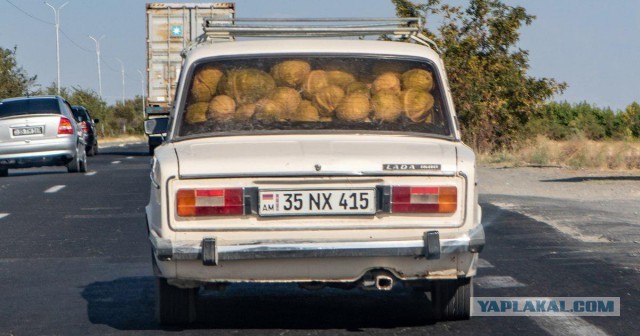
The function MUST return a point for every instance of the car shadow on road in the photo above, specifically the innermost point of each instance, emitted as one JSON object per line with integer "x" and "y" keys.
{"x": 34, "y": 172}
{"x": 128, "y": 304}
{"x": 595, "y": 178}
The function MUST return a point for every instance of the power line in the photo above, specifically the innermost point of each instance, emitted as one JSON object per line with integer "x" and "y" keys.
{"x": 66, "y": 36}
{"x": 49, "y": 23}
{"x": 74, "y": 43}
{"x": 29, "y": 15}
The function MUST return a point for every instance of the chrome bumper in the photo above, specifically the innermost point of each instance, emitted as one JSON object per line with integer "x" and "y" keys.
{"x": 211, "y": 253}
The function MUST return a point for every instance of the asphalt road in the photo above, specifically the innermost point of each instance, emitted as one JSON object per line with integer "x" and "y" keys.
{"x": 74, "y": 260}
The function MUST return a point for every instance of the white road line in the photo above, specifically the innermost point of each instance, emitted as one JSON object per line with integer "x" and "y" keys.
{"x": 54, "y": 189}
{"x": 91, "y": 173}
{"x": 129, "y": 157}
{"x": 497, "y": 282}
{"x": 115, "y": 162}
{"x": 567, "y": 325}
{"x": 3, "y": 215}
{"x": 484, "y": 264}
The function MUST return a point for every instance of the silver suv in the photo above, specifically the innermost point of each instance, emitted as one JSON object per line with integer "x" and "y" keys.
{"x": 40, "y": 131}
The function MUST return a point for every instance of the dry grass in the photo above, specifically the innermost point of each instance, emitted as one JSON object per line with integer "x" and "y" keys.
{"x": 123, "y": 138}
{"x": 576, "y": 154}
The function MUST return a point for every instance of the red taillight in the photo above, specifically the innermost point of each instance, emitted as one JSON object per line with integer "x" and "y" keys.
{"x": 210, "y": 202}
{"x": 85, "y": 127}
{"x": 424, "y": 199}
{"x": 65, "y": 126}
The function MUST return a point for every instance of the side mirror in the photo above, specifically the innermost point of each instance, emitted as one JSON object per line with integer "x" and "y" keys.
{"x": 156, "y": 126}
{"x": 96, "y": 120}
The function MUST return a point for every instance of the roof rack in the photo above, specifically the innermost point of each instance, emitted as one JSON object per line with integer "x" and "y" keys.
{"x": 216, "y": 28}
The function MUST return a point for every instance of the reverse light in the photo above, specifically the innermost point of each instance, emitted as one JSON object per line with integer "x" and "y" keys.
{"x": 65, "y": 127}
{"x": 424, "y": 199}
{"x": 210, "y": 202}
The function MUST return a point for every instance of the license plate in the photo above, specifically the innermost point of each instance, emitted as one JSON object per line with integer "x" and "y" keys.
{"x": 28, "y": 131}
{"x": 317, "y": 202}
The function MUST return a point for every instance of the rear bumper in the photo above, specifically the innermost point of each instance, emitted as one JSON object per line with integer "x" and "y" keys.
{"x": 38, "y": 159}
{"x": 211, "y": 253}
{"x": 36, "y": 153}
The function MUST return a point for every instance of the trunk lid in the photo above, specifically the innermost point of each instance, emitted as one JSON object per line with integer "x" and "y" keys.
{"x": 276, "y": 155}
{"x": 47, "y": 123}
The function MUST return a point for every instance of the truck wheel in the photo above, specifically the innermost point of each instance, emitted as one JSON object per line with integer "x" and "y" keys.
{"x": 152, "y": 149}
{"x": 4, "y": 172}
{"x": 451, "y": 299}
{"x": 175, "y": 306}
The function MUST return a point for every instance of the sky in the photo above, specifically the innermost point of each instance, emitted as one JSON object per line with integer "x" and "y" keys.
{"x": 592, "y": 45}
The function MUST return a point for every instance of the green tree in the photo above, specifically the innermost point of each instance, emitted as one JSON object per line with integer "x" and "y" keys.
{"x": 630, "y": 118}
{"x": 129, "y": 115}
{"x": 97, "y": 107}
{"x": 14, "y": 80}
{"x": 487, "y": 71}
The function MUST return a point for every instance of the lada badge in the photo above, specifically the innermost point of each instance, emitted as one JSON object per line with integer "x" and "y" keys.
{"x": 411, "y": 166}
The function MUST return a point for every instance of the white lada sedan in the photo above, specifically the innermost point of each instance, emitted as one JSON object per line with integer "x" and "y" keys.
{"x": 317, "y": 162}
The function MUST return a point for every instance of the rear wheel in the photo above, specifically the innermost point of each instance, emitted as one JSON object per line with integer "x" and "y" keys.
{"x": 175, "y": 306}
{"x": 74, "y": 165}
{"x": 451, "y": 299}
{"x": 83, "y": 162}
{"x": 4, "y": 172}
{"x": 91, "y": 151}
{"x": 152, "y": 149}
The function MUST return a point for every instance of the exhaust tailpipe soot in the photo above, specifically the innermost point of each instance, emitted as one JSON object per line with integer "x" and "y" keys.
{"x": 384, "y": 282}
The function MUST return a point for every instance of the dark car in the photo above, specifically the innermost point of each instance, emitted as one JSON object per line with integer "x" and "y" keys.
{"x": 40, "y": 131}
{"x": 82, "y": 116}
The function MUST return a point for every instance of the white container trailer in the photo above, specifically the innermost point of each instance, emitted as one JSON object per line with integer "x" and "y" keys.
{"x": 170, "y": 29}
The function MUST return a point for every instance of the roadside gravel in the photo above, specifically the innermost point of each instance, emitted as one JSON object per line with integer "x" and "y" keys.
{"x": 600, "y": 208}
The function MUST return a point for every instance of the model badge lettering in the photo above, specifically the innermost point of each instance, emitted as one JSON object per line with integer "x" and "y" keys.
{"x": 412, "y": 166}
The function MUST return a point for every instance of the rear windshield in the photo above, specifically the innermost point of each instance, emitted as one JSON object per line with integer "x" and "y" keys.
{"x": 302, "y": 94}
{"x": 80, "y": 114}
{"x": 28, "y": 106}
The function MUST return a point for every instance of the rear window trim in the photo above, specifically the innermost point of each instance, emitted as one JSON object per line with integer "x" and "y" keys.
{"x": 185, "y": 90}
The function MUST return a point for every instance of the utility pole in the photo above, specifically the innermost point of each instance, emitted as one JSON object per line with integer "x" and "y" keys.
{"x": 142, "y": 89}
{"x": 122, "y": 71}
{"x": 97, "y": 41}
{"x": 56, "y": 13}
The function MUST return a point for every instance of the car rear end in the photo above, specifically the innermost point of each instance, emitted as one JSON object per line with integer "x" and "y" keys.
{"x": 325, "y": 204}
{"x": 345, "y": 199}
{"x": 34, "y": 132}
{"x": 87, "y": 124}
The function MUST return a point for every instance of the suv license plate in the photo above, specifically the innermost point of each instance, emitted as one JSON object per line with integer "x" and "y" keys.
{"x": 27, "y": 131}
{"x": 317, "y": 202}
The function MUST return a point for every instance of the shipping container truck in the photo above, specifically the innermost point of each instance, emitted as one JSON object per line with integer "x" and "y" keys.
{"x": 171, "y": 27}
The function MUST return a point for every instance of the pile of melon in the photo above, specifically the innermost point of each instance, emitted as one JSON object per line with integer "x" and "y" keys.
{"x": 293, "y": 91}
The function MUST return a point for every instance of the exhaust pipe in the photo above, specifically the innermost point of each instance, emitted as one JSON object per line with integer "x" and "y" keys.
{"x": 383, "y": 282}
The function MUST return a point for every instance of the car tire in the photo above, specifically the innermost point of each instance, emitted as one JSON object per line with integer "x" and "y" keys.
{"x": 451, "y": 299}
{"x": 175, "y": 306}
{"x": 152, "y": 149}
{"x": 83, "y": 163}
{"x": 73, "y": 166}
{"x": 4, "y": 172}
{"x": 91, "y": 151}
